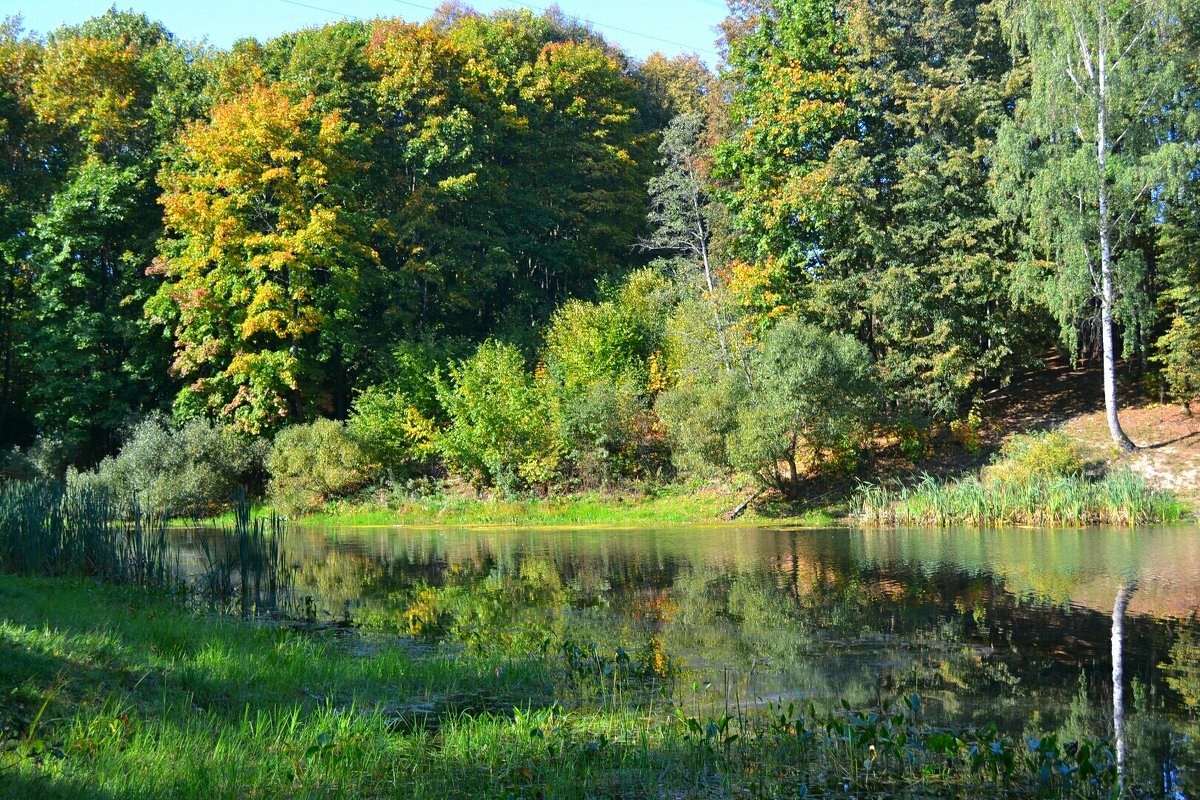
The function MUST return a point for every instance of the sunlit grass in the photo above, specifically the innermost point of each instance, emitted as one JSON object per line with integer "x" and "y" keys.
{"x": 599, "y": 510}
{"x": 145, "y": 699}
{"x": 1120, "y": 498}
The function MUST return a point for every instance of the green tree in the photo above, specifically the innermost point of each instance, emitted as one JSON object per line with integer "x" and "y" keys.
{"x": 856, "y": 170}
{"x": 23, "y": 185}
{"x": 111, "y": 92}
{"x": 1082, "y": 156}
{"x": 314, "y": 463}
{"x": 813, "y": 395}
{"x": 681, "y": 213}
{"x": 1178, "y": 240}
{"x": 518, "y": 168}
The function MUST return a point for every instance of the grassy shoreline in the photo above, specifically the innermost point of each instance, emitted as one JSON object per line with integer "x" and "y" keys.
{"x": 677, "y": 507}
{"x": 121, "y": 692}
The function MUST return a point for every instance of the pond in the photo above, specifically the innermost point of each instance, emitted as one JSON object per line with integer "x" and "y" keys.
{"x": 1011, "y": 626}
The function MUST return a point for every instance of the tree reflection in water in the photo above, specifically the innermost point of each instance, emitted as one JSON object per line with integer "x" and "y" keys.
{"x": 1013, "y": 626}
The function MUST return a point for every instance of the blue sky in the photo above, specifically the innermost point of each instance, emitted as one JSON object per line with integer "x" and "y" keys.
{"x": 676, "y": 25}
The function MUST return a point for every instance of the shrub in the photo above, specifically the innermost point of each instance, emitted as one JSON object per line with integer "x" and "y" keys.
{"x": 968, "y": 432}
{"x": 612, "y": 340}
{"x": 502, "y": 429}
{"x": 193, "y": 468}
{"x": 1033, "y": 456}
{"x": 610, "y": 434}
{"x": 396, "y": 436}
{"x": 44, "y": 460}
{"x": 699, "y": 417}
{"x": 314, "y": 463}
{"x": 812, "y": 395}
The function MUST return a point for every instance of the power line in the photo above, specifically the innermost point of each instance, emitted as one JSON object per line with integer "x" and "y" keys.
{"x": 319, "y": 8}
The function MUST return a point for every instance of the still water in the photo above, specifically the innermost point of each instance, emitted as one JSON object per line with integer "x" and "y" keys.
{"x": 1012, "y": 626}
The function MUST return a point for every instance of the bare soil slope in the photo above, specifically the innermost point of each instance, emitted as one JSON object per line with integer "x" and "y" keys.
{"x": 1060, "y": 397}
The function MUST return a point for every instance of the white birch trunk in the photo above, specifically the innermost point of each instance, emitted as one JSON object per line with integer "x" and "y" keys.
{"x": 1105, "y": 223}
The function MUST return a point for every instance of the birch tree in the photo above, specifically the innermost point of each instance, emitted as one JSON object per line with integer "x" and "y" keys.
{"x": 1080, "y": 161}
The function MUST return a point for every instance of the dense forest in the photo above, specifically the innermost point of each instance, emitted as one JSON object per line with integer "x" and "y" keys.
{"x": 496, "y": 248}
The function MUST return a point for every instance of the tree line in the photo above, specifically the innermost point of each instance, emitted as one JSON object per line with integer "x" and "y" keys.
{"x": 496, "y": 246}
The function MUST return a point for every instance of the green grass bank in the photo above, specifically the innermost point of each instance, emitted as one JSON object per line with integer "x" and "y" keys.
{"x": 601, "y": 510}
{"x": 120, "y": 692}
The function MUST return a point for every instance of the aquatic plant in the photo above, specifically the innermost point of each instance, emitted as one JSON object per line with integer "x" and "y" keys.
{"x": 1119, "y": 498}
{"x": 244, "y": 565}
{"x": 47, "y": 529}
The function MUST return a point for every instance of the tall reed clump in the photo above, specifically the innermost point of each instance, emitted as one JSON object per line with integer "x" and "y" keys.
{"x": 50, "y": 530}
{"x": 1037, "y": 480}
{"x": 46, "y": 529}
{"x": 244, "y": 566}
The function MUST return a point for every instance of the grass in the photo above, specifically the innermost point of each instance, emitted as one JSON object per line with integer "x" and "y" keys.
{"x": 1038, "y": 479}
{"x": 1120, "y": 498}
{"x": 119, "y": 692}
{"x": 667, "y": 507}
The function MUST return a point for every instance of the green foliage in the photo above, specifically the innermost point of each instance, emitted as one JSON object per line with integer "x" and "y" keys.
{"x": 502, "y": 429}
{"x": 195, "y": 468}
{"x": 48, "y": 530}
{"x": 264, "y": 257}
{"x": 857, "y": 174}
{"x": 812, "y": 397}
{"x": 1036, "y": 479}
{"x": 314, "y": 463}
{"x": 1180, "y": 358}
{"x": 1035, "y": 456}
{"x": 611, "y": 340}
{"x": 396, "y": 421}
{"x": 1179, "y": 346}
{"x": 518, "y": 163}
{"x": 699, "y": 416}
{"x": 392, "y": 430}
{"x": 609, "y": 434}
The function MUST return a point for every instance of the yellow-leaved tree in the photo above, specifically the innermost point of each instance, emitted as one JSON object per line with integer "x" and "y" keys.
{"x": 263, "y": 256}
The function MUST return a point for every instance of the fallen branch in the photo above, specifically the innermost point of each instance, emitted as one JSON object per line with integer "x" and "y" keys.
{"x": 741, "y": 509}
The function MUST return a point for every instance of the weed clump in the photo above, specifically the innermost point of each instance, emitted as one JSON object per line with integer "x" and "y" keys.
{"x": 1038, "y": 479}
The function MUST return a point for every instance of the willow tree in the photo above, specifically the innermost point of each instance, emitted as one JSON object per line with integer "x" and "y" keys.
{"x": 1082, "y": 156}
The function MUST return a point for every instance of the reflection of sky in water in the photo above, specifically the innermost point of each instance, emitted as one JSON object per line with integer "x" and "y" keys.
{"x": 1013, "y": 625}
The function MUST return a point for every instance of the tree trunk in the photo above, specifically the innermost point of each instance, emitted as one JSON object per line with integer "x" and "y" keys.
{"x": 1106, "y": 284}
{"x": 702, "y": 247}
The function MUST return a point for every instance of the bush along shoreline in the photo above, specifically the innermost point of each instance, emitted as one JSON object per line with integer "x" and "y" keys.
{"x": 1036, "y": 480}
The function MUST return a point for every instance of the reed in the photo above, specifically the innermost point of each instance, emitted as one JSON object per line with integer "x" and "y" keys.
{"x": 1118, "y": 498}
{"x": 46, "y": 529}
{"x": 244, "y": 566}
{"x": 55, "y": 531}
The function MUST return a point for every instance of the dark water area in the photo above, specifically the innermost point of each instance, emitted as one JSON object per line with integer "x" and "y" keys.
{"x": 1011, "y": 626}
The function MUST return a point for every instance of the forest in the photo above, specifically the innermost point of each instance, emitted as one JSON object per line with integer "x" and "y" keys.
{"x": 495, "y": 250}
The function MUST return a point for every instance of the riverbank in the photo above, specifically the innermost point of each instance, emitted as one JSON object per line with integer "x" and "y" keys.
{"x": 667, "y": 506}
{"x": 122, "y": 693}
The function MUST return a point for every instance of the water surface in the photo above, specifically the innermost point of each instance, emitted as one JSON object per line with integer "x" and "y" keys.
{"x": 1012, "y": 626}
